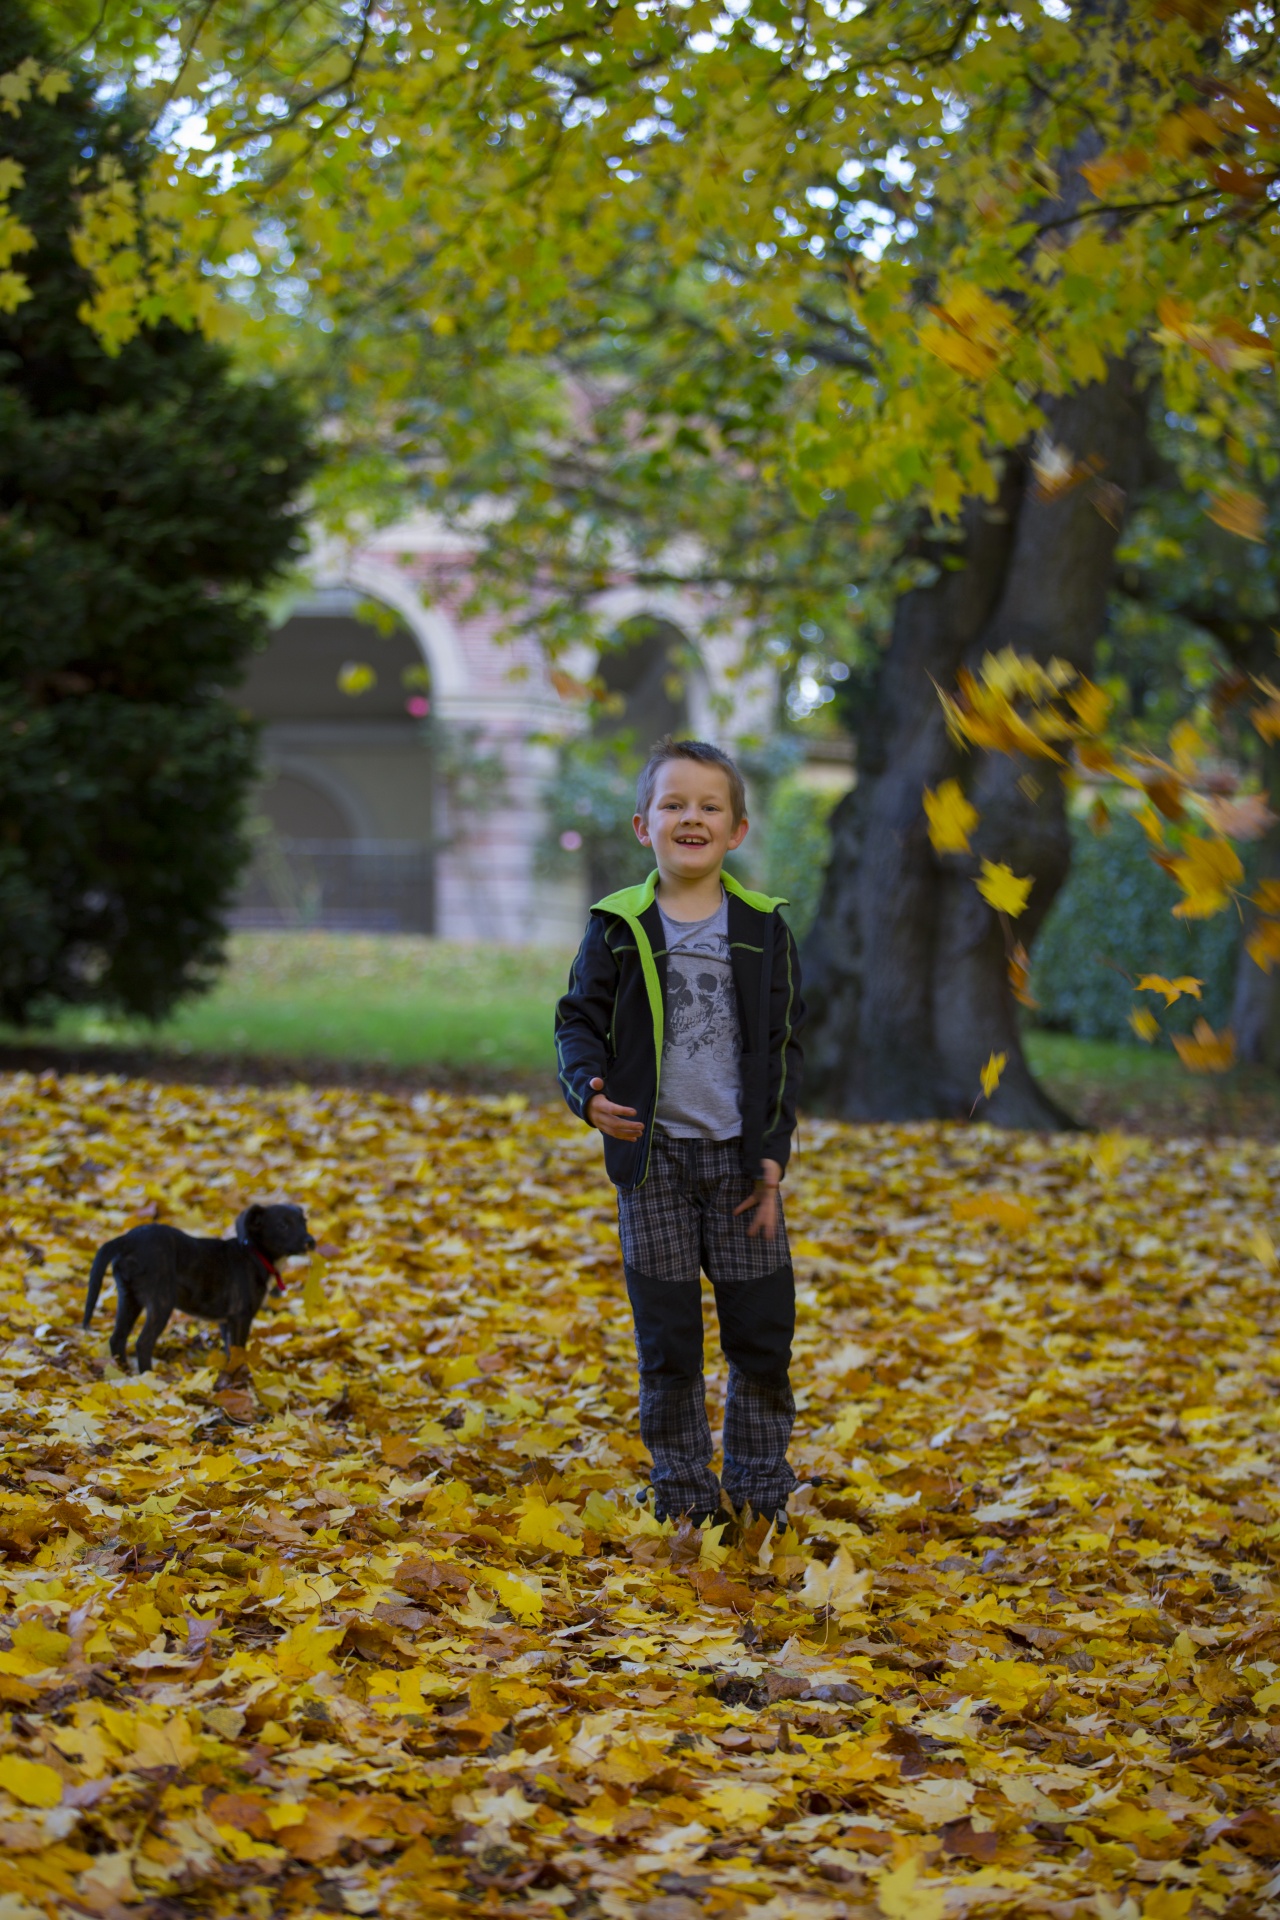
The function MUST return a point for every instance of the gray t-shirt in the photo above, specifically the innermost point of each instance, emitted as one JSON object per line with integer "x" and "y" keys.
{"x": 699, "y": 1095}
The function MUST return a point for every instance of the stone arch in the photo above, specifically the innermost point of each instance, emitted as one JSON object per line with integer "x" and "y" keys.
{"x": 624, "y": 607}
{"x": 434, "y": 632}
{"x": 333, "y": 790}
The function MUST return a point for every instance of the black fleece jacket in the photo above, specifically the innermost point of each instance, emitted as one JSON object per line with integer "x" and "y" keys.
{"x": 610, "y": 1024}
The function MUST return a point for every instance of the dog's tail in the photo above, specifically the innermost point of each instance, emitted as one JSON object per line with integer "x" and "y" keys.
{"x": 101, "y": 1261}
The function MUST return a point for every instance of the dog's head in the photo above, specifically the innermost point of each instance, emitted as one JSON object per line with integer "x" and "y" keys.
{"x": 275, "y": 1231}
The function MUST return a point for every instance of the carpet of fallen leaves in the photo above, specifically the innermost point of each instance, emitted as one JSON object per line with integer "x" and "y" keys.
{"x": 373, "y": 1624}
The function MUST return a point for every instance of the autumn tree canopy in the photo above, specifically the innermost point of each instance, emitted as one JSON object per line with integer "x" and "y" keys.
{"x": 821, "y": 291}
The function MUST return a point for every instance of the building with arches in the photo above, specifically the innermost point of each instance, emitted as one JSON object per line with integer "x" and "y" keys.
{"x": 405, "y": 761}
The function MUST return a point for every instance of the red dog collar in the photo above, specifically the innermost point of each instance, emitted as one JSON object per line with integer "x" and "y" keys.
{"x": 270, "y": 1266}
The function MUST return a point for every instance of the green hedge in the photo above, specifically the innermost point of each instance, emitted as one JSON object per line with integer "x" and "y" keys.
{"x": 1114, "y": 918}
{"x": 792, "y": 860}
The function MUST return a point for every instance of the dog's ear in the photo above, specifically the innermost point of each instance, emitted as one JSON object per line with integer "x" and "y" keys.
{"x": 248, "y": 1223}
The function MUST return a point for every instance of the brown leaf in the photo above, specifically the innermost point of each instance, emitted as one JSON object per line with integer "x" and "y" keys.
{"x": 959, "y": 1838}
{"x": 714, "y": 1590}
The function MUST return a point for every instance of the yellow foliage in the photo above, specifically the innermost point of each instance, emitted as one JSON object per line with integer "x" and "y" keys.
{"x": 991, "y": 1072}
{"x": 1002, "y": 889}
{"x": 1144, "y": 1024}
{"x": 29, "y": 1781}
{"x": 1206, "y": 870}
{"x": 1014, "y": 1215}
{"x": 950, "y": 816}
{"x": 1171, "y": 989}
{"x": 1206, "y": 1051}
{"x": 901, "y": 1895}
{"x": 318, "y": 1644}
{"x": 1263, "y": 944}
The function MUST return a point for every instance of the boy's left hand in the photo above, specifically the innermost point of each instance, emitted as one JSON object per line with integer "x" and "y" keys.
{"x": 765, "y": 1201}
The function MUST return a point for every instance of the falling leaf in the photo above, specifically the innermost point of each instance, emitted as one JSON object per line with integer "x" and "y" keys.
{"x": 1001, "y": 888}
{"x": 356, "y": 677}
{"x": 1246, "y": 819}
{"x": 1206, "y": 870}
{"x": 1144, "y": 1024}
{"x": 991, "y": 1072}
{"x": 1206, "y": 1051}
{"x": 1171, "y": 989}
{"x": 569, "y": 688}
{"x": 1263, "y": 944}
{"x": 950, "y": 816}
{"x": 1239, "y": 512}
{"x": 1020, "y": 977}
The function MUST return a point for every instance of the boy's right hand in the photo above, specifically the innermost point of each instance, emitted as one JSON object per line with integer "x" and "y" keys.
{"x": 619, "y": 1123}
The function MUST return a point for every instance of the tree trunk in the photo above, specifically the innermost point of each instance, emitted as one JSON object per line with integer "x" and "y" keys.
{"x": 1255, "y": 1011}
{"x": 905, "y": 971}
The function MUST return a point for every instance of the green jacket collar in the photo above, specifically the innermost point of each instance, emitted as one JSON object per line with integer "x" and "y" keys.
{"x": 630, "y": 902}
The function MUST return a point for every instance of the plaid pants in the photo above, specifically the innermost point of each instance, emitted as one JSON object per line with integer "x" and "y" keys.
{"x": 679, "y": 1222}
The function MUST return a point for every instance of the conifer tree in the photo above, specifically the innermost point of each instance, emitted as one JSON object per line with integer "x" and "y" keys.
{"x": 146, "y": 497}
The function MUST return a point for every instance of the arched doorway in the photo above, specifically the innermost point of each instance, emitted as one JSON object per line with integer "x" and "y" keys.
{"x": 644, "y": 674}
{"x": 343, "y": 820}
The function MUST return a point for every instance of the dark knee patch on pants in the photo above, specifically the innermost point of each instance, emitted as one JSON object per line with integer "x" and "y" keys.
{"x": 758, "y": 1323}
{"x": 668, "y": 1321}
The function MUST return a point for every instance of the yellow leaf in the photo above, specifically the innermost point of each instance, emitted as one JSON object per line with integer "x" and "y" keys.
{"x": 900, "y": 1895}
{"x": 1168, "y": 1903}
{"x": 1262, "y": 1247}
{"x": 841, "y": 1586}
{"x": 1020, "y": 977}
{"x": 1171, "y": 989}
{"x": 1205, "y": 870}
{"x": 520, "y": 1594}
{"x": 306, "y": 1648}
{"x": 312, "y": 1293}
{"x": 540, "y": 1529}
{"x": 950, "y": 816}
{"x": 355, "y": 678}
{"x": 170, "y": 1745}
{"x": 1009, "y": 1683}
{"x": 1263, "y": 944}
{"x": 29, "y": 1781}
{"x": 1002, "y": 889}
{"x": 990, "y": 1075}
{"x": 1144, "y": 1024}
{"x": 734, "y": 1802}
{"x": 1206, "y": 1051}
{"x": 1005, "y": 1211}
{"x": 1267, "y": 1697}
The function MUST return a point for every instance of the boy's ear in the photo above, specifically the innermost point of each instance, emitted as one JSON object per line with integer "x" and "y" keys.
{"x": 739, "y": 833}
{"x": 640, "y": 825}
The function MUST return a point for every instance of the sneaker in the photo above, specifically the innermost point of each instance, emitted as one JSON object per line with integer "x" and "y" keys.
{"x": 782, "y": 1522}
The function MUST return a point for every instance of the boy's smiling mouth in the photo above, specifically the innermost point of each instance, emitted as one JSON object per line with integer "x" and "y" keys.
{"x": 693, "y": 840}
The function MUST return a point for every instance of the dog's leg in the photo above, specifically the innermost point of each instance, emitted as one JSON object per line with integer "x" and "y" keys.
{"x": 127, "y": 1310}
{"x": 152, "y": 1327}
{"x": 239, "y": 1326}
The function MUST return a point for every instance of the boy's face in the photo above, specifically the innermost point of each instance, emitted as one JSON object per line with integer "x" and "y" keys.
{"x": 690, "y": 825}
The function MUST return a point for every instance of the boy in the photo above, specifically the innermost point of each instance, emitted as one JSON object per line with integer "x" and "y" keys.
{"x": 677, "y": 1039}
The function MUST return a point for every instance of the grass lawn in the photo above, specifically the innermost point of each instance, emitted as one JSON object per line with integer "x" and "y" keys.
{"x": 371, "y": 1006}
{"x": 396, "y": 1001}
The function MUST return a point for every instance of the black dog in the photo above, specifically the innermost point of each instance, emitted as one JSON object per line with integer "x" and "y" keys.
{"x": 159, "y": 1268}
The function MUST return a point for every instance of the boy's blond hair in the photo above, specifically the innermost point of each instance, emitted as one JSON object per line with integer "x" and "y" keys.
{"x": 705, "y": 754}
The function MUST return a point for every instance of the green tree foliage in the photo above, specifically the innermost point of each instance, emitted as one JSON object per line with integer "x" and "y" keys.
{"x": 145, "y": 498}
